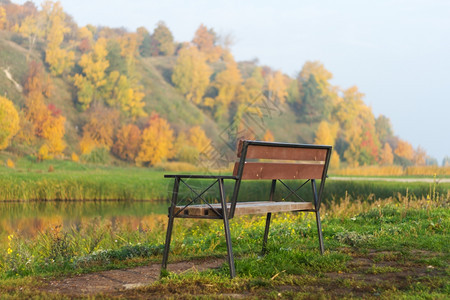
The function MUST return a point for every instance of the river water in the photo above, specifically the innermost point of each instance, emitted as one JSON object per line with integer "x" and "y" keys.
{"x": 30, "y": 218}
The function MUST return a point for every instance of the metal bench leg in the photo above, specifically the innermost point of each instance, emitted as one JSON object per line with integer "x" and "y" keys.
{"x": 316, "y": 205}
{"x": 319, "y": 229}
{"x": 226, "y": 226}
{"x": 266, "y": 233}
{"x": 167, "y": 245}
{"x": 170, "y": 224}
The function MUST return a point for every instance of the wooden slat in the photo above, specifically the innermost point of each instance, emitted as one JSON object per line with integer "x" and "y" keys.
{"x": 280, "y": 171}
{"x": 284, "y": 153}
{"x": 245, "y": 208}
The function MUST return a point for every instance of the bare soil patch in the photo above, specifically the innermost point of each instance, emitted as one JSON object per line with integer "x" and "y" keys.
{"x": 113, "y": 281}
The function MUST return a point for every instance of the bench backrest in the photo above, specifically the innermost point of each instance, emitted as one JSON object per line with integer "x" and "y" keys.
{"x": 273, "y": 161}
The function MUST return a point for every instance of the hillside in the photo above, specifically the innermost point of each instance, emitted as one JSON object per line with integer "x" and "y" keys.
{"x": 99, "y": 93}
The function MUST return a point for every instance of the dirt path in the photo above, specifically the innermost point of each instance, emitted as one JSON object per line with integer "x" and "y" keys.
{"x": 112, "y": 281}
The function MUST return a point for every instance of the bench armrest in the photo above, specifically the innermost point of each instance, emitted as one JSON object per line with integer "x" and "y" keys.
{"x": 193, "y": 176}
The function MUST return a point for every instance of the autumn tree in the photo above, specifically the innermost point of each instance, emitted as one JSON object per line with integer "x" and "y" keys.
{"x": 326, "y": 133}
{"x": 197, "y": 138}
{"x": 386, "y": 156}
{"x": 92, "y": 77}
{"x": 53, "y": 131}
{"x": 37, "y": 85}
{"x": 191, "y": 74}
{"x": 86, "y": 38}
{"x": 205, "y": 40}
{"x": 277, "y": 87}
{"x": 32, "y": 28}
{"x": 268, "y": 136}
{"x": 120, "y": 94}
{"x": 420, "y": 156}
{"x": 99, "y": 131}
{"x": 157, "y": 142}
{"x": 405, "y": 150}
{"x": 3, "y": 20}
{"x": 227, "y": 84}
{"x": 358, "y": 128}
{"x": 317, "y": 94}
{"x": 250, "y": 94}
{"x": 383, "y": 128}
{"x": 145, "y": 45}
{"x": 9, "y": 122}
{"x": 163, "y": 39}
{"x": 128, "y": 140}
{"x": 58, "y": 59}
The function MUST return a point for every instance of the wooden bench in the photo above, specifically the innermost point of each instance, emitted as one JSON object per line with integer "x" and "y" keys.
{"x": 256, "y": 161}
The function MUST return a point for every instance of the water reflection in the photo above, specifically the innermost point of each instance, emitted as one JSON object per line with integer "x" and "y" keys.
{"x": 30, "y": 218}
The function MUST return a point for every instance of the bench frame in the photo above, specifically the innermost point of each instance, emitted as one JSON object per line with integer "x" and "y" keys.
{"x": 226, "y": 211}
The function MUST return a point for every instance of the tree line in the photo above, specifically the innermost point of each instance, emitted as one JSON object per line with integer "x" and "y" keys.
{"x": 101, "y": 65}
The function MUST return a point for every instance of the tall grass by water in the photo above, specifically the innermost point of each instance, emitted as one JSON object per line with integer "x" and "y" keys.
{"x": 73, "y": 181}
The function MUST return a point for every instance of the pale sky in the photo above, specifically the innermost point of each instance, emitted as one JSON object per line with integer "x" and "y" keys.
{"x": 396, "y": 51}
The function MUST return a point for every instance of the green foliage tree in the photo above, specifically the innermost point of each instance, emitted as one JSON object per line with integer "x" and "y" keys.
{"x": 317, "y": 94}
{"x": 163, "y": 39}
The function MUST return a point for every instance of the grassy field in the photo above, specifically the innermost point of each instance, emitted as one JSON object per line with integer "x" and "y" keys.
{"x": 390, "y": 248}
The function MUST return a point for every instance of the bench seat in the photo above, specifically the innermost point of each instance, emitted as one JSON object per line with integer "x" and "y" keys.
{"x": 243, "y": 208}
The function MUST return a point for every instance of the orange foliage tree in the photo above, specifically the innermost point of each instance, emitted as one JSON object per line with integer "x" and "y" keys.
{"x": 157, "y": 142}
{"x": 405, "y": 150}
{"x": 268, "y": 136}
{"x": 53, "y": 131}
{"x": 205, "y": 40}
{"x": 99, "y": 131}
{"x": 128, "y": 140}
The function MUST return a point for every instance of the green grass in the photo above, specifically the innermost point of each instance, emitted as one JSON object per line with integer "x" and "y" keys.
{"x": 388, "y": 249}
{"x": 69, "y": 180}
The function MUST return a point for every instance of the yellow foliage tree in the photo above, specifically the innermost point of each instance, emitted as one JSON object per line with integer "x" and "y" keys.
{"x": 268, "y": 136}
{"x": 58, "y": 59}
{"x": 386, "y": 156}
{"x": 157, "y": 142}
{"x": 191, "y": 74}
{"x": 94, "y": 65}
{"x": 326, "y": 133}
{"x": 9, "y": 122}
{"x": 53, "y": 131}
{"x": 124, "y": 97}
{"x": 3, "y": 20}
{"x": 335, "y": 161}
{"x": 32, "y": 28}
{"x": 404, "y": 149}
{"x": 227, "y": 83}
{"x": 277, "y": 87}
{"x": 197, "y": 138}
